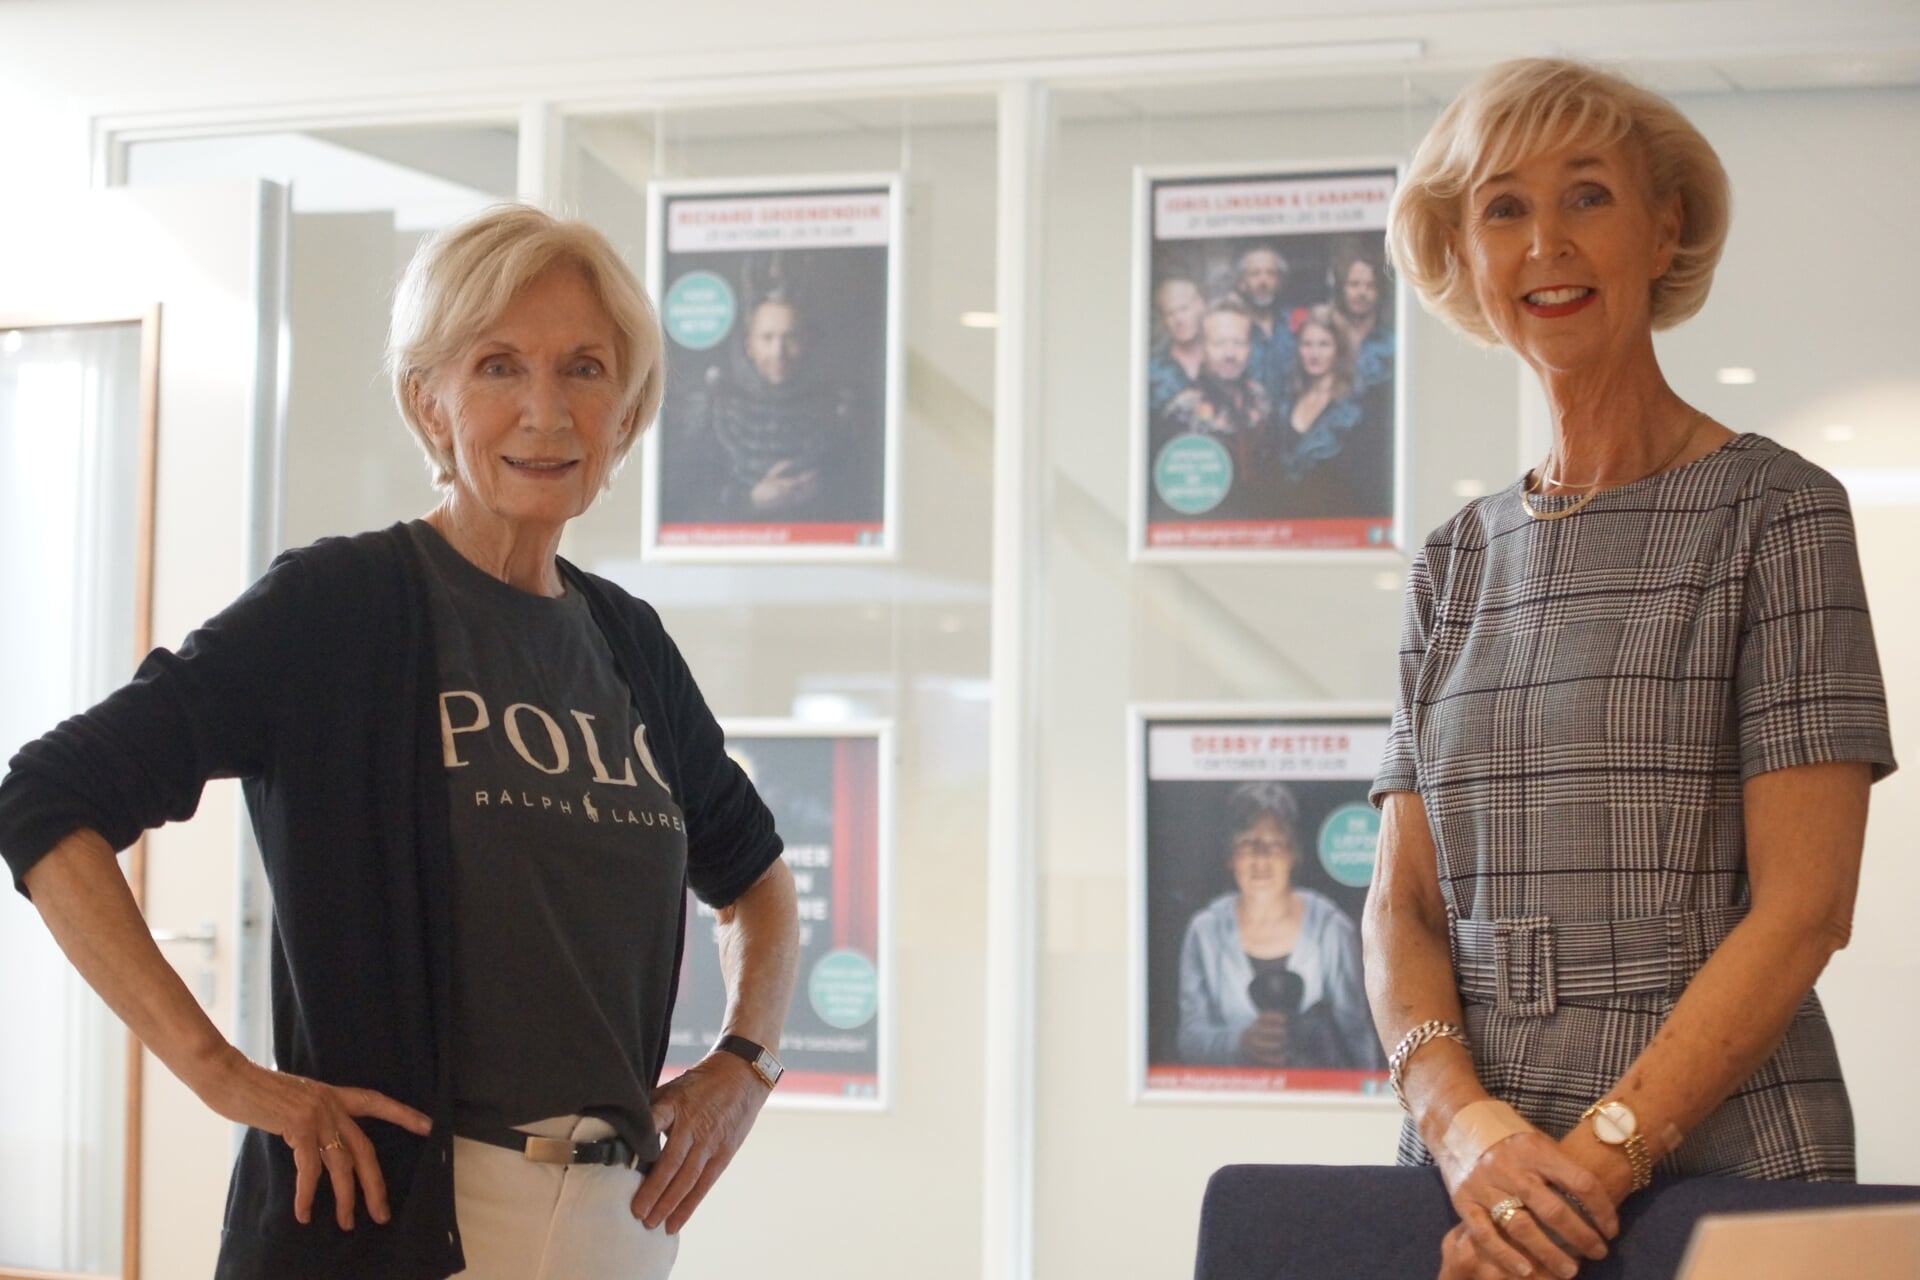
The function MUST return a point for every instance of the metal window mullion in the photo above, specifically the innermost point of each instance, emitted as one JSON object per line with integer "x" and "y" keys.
{"x": 1012, "y": 791}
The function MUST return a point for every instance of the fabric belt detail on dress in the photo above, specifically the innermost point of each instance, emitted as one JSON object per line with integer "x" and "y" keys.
{"x": 1527, "y": 965}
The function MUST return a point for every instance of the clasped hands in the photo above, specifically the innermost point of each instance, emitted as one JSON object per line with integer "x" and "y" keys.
{"x": 1542, "y": 1174}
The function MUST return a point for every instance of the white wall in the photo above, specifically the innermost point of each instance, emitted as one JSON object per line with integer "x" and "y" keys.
{"x": 77, "y": 58}
{"x": 206, "y": 51}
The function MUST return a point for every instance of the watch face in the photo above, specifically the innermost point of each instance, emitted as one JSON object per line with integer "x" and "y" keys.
{"x": 1614, "y": 1123}
{"x": 769, "y": 1067}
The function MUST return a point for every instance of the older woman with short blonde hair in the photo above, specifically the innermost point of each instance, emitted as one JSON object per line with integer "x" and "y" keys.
{"x": 483, "y": 782}
{"x": 466, "y": 279}
{"x": 1639, "y": 713}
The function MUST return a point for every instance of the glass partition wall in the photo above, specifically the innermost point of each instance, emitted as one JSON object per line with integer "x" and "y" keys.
{"x": 1216, "y": 636}
{"x": 363, "y": 199}
{"x": 1295, "y": 640}
{"x": 1288, "y": 638}
{"x": 826, "y": 644}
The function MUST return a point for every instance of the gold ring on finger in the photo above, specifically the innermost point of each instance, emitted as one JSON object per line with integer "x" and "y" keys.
{"x": 339, "y": 1142}
{"x": 1503, "y": 1212}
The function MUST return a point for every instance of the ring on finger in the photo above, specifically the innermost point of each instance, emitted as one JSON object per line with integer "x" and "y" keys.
{"x": 339, "y": 1142}
{"x": 1503, "y": 1212}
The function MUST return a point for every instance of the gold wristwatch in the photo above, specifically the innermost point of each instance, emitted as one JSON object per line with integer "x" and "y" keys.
{"x": 757, "y": 1056}
{"x": 1615, "y": 1124}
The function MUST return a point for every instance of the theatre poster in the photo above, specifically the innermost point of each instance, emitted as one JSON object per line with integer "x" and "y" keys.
{"x": 1254, "y": 844}
{"x": 780, "y": 305}
{"x": 1267, "y": 364}
{"x": 829, "y": 788}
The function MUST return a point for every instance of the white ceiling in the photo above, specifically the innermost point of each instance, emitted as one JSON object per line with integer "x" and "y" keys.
{"x": 143, "y": 58}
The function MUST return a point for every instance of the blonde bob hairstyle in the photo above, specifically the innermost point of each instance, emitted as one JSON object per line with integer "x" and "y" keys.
{"x": 461, "y": 280}
{"x": 1522, "y": 109}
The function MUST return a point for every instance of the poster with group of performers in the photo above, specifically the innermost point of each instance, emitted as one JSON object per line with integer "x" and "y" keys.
{"x": 780, "y": 304}
{"x": 830, "y": 795}
{"x": 1254, "y": 846}
{"x": 1267, "y": 396}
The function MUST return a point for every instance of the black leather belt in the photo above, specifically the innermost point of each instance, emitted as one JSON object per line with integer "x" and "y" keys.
{"x": 607, "y": 1151}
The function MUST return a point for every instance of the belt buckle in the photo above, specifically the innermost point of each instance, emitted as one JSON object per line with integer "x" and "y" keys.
{"x": 1524, "y": 967}
{"x": 549, "y": 1150}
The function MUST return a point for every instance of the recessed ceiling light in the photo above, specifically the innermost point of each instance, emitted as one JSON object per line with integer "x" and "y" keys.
{"x": 827, "y": 707}
{"x": 980, "y": 319}
{"x": 1838, "y": 432}
{"x": 1735, "y": 376}
{"x": 12, "y": 342}
{"x": 1469, "y": 488}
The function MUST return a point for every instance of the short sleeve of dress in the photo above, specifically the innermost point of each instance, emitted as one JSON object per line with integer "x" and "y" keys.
{"x": 1399, "y": 769}
{"x": 1807, "y": 685}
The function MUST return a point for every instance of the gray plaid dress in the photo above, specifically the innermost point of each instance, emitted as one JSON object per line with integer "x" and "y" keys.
{"x": 1580, "y": 702}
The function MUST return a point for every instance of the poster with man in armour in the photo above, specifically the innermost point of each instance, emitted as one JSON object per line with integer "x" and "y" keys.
{"x": 779, "y": 302}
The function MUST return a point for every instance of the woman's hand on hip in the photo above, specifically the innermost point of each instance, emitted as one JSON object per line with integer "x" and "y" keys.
{"x": 705, "y": 1113}
{"x": 320, "y": 1122}
{"x": 1531, "y": 1168}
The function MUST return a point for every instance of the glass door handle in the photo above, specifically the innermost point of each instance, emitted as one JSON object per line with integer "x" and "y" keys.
{"x": 206, "y": 937}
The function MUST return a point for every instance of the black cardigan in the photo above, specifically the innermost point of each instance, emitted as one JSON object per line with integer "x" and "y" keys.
{"x": 317, "y": 688}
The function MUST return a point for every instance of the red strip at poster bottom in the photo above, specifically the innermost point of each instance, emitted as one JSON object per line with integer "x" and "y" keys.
{"x": 830, "y": 1084}
{"x": 1365, "y": 533}
{"x": 813, "y": 1084}
{"x": 770, "y": 535}
{"x": 1261, "y": 1080}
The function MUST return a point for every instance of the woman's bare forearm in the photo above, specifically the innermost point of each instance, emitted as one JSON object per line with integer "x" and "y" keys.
{"x": 1409, "y": 968}
{"x": 83, "y": 897}
{"x": 1805, "y": 830}
{"x": 759, "y": 954}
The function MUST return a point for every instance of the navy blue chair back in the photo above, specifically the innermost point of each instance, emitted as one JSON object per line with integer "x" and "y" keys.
{"x": 1364, "y": 1222}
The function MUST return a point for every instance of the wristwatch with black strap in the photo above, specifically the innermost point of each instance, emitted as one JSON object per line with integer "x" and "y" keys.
{"x": 757, "y": 1056}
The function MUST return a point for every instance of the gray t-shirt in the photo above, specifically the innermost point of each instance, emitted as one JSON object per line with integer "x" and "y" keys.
{"x": 569, "y": 858}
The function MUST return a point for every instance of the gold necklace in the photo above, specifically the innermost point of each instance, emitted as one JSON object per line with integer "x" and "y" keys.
{"x": 1593, "y": 490}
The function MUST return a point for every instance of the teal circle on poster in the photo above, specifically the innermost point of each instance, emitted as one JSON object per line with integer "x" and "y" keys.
{"x": 844, "y": 989}
{"x": 698, "y": 310}
{"x": 1192, "y": 474}
{"x": 1349, "y": 839}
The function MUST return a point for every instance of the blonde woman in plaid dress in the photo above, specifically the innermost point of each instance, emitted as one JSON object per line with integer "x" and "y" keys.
{"x": 1639, "y": 714}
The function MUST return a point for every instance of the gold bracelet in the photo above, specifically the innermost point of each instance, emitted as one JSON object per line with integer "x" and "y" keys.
{"x": 1433, "y": 1029}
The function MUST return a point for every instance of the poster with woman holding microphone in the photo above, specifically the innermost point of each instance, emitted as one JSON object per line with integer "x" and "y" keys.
{"x": 1255, "y": 849}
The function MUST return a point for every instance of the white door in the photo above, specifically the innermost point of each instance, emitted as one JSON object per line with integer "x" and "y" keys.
{"x": 210, "y": 262}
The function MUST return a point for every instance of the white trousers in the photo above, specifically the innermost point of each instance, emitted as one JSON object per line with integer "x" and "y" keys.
{"x": 520, "y": 1220}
